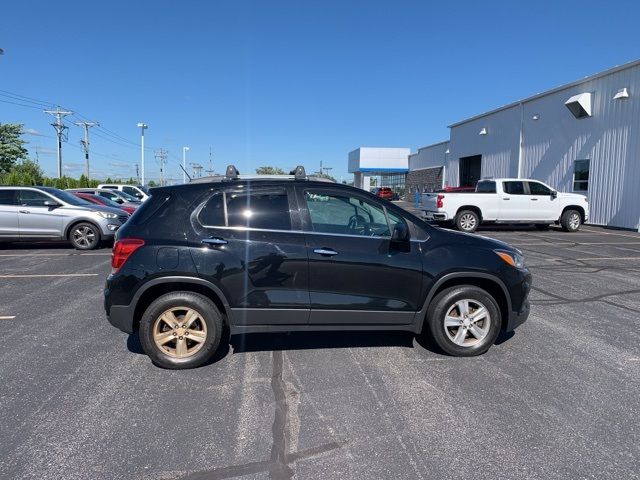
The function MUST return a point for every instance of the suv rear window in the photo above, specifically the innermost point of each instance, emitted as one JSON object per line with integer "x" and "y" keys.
{"x": 265, "y": 209}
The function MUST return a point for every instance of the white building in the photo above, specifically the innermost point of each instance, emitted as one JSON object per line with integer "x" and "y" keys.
{"x": 378, "y": 166}
{"x": 581, "y": 137}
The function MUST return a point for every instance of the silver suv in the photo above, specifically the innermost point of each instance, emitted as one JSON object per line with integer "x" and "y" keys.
{"x": 44, "y": 213}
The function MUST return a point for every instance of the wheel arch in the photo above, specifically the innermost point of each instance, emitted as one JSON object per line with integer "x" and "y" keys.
{"x": 578, "y": 208}
{"x": 78, "y": 221}
{"x": 490, "y": 283}
{"x": 473, "y": 208}
{"x": 160, "y": 286}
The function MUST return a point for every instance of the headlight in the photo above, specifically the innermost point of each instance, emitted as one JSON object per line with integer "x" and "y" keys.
{"x": 515, "y": 259}
{"x": 107, "y": 215}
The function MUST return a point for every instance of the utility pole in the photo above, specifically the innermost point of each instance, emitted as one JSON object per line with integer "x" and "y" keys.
{"x": 137, "y": 174}
{"x": 142, "y": 127}
{"x": 210, "y": 171}
{"x": 161, "y": 156}
{"x": 85, "y": 144}
{"x": 184, "y": 164}
{"x": 60, "y": 128}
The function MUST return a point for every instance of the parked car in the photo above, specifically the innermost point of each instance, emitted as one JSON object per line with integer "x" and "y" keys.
{"x": 384, "y": 192}
{"x": 296, "y": 254}
{"x": 138, "y": 191}
{"x": 116, "y": 196}
{"x": 43, "y": 213}
{"x": 508, "y": 200}
{"x": 98, "y": 200}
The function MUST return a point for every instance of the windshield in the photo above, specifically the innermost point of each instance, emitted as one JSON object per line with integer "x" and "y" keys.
{"x": 127, "y": 197}
{"x": 66, "y": 197}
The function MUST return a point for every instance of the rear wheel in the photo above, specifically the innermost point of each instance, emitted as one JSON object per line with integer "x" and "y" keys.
{"x": 571, "y": 220}
{"x": 84, "y": 236}
{"x": 467, "y": 221}
{"x": 464, "y": 321}
{"x": 181, "y": 330}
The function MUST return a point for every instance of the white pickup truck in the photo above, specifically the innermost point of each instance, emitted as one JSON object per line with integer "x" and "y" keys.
{"x": 508, "y": 200}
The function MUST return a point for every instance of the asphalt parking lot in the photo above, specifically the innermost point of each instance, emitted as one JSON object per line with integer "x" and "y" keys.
{"x": 558, "y": 399}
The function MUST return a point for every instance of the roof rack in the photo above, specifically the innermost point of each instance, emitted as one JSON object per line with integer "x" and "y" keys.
{"x": 232, "y": 172}
{"x": 299, "y": 173}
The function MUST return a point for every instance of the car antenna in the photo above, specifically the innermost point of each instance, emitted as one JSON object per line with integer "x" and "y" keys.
{"x": 185, "y": 172}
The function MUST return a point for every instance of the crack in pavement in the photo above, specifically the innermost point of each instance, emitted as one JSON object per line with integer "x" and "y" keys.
{"x": 279, "y": 464}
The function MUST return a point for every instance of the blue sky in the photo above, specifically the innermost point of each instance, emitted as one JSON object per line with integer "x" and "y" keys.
{"x": 287, "y": 83}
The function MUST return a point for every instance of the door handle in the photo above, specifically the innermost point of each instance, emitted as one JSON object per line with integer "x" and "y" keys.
{"x": 214, "y": 241}
{"x": 534, "y": 199}
{"x": 506, "y": 198}
{"x": 325, "y": 251}
{"x": 24, "y": 211}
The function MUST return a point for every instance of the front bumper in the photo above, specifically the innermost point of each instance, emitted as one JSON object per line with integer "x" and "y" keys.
{"x": 518, "y": 318}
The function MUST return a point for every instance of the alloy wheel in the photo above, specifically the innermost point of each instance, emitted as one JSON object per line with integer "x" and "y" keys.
{"x": 467, "y": 322}
{"x": 84, "y": 236}
{"x": 179, "y": 332}
{"x": 468, "y": 221}
{"x": 574, "y": 221}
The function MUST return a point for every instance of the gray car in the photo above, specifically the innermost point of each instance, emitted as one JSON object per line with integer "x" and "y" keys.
{"x": 44, "y": 213}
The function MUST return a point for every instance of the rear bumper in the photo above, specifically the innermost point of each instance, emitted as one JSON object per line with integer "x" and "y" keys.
{"x": 121, "y": 317}
{"x": 436, "y": 216}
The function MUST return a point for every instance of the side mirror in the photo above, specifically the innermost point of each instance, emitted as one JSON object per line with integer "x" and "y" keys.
{"x": 554, "y": 194}
{"x": 400, "y": 233}
{"x": 139, "y": 195}
{"x": 51, "y": 204}
{"x": 119, "y": 200}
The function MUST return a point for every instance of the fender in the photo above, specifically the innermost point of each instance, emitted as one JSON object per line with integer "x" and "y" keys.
{"x": 421, "y": 315}
{"x": 182, "y": 279}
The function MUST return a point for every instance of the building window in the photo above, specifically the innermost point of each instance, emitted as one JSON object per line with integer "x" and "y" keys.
{"x": 581, "y": 175}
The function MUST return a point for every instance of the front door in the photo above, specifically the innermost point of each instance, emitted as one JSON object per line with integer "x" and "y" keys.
{"x": 514, "y": 203}
{"x": 37, "y": 219}
{"x": 541, "y": 203}
{"x": 357, "y": 274}
{"x": 246, "y": 246}
{"x": 9, "y": 214}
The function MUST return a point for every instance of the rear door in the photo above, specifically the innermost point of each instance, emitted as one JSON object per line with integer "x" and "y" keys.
{"x": 37, "y": 219}
{"x": 514, "y": 202}
{"x": 250, "y": 245}
{"x": 541, "y": 204}
{"x": 9, "y": 214}
{"x": 357, "y": 275}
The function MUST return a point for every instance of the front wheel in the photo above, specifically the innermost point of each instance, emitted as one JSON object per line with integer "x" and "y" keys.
{"x": 467, "y": 221}
{"x": 464, "y": 321}
{"x": 181, "y": 330}
{"x": 571, "y": 221}
{"x": 84, "y": 236}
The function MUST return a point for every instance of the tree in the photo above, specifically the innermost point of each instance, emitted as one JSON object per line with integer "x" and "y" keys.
{"x": 24, "y": 172}
{"x": 269, "y": 171}
{"x": 152, "y": 184}
{"x": 11, "y": 145}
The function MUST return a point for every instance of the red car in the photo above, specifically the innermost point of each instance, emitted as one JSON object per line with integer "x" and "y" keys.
{"x": 384, "y": 192}
{"x": 89, "y": 197}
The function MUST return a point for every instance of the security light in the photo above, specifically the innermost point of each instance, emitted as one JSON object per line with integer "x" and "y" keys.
{"x": 536, "y": 116}
{"x": 483, "y": 131}
{"x": 622, "y": 93}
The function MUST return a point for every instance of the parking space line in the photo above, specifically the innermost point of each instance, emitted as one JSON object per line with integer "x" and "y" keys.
{"x": 582, "y": 259}
{"x": 54, "y": 254}
{"x": 610, "y": 233}
{"x": 572, "y": 243}
{"x": 37, "y": 275}
{"x": 7, "y": 317}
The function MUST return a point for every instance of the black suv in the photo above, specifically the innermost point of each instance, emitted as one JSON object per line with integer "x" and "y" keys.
{"x": 292, "y": 253}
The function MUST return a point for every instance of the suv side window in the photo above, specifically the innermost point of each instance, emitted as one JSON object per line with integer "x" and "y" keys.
{"x": 264, "y": 209}
{"x": 8, "y": 197}
{"x": 536, "y": 188}
{"x": 130, "y": 190}
{"x": 31, "y": 198}
{"x": 344, "y": 214}
{"x": 513, "y": 188}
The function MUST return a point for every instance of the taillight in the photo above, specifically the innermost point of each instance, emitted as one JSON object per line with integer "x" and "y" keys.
{"x": 121, "y": 251}
{"x": 439, "y": 202}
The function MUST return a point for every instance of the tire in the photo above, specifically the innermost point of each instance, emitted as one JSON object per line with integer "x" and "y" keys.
{"x": 84, "y": 236}
{"x": 467, "y": 221}
{"x": 570, "y": 221}
{"x": 543, "y": 226}
{"x": 162, "y": 343}
{"x": 444, "y": 308}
